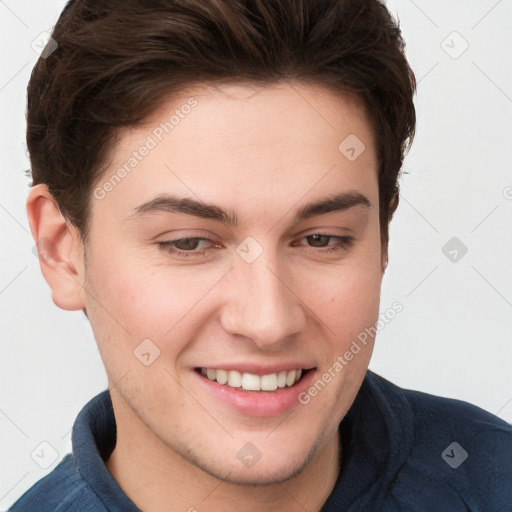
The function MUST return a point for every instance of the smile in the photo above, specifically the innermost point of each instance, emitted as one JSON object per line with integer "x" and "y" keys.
{"x": 252, "y": 382}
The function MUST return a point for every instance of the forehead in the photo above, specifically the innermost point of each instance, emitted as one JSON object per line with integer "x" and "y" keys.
{"x": 239, "y": 143}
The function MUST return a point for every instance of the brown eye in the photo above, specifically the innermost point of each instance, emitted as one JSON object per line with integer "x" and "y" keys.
{"x": 185, "y": 246}
{"x": 321, "y": 241}
{"x": 317, "y": 240}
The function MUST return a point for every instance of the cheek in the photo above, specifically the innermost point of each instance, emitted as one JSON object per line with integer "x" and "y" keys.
{"x": 136, "y": 296}
{"x": 130, "y": 303}
{"x": 347, "y": 313}
{"x": 347, "y": 298}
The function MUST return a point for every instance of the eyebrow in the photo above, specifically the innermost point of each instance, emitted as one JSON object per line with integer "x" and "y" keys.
{"x": 172, "y": 204}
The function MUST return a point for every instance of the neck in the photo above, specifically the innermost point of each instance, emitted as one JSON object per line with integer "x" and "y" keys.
{"x": 156, "y": 478}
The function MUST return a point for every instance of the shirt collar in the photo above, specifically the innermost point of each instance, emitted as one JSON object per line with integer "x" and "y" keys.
{"x": 93, "y": 440}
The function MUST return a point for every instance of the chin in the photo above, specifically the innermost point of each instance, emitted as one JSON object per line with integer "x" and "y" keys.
{"x": 260, "y": 475}
{"x": 268, "y": 470}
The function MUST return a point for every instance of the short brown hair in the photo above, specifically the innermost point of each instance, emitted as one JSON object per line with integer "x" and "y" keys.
{"x": 118, "y": 60}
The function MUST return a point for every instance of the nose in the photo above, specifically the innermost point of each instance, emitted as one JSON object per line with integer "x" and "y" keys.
{"x": 262, "y": 304}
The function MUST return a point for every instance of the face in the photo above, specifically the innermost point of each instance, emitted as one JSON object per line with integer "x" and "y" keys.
{"x": 207, "y": 263}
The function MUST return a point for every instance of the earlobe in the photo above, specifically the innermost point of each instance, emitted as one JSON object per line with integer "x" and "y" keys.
{"x": 59, "y": 247}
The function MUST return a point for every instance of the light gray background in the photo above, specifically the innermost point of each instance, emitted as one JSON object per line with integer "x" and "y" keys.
{"x": 453, "y": 337}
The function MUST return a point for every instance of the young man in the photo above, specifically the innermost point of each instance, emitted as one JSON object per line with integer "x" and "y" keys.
{"x": 213, "y": 182}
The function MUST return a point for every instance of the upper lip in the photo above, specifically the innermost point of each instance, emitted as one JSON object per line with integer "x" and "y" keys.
{"x": 258, "y": 369}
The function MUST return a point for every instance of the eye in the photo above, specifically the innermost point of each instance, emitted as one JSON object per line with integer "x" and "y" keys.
{"x": 184, "y": 246}
{"x": 188, "y": 247}
{"x": 321, "y": 240}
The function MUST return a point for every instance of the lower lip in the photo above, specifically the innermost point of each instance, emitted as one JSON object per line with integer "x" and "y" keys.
{"x": 258, "y": 403}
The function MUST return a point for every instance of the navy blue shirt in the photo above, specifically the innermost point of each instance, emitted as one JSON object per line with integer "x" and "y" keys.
{"x": 403, "y": 451}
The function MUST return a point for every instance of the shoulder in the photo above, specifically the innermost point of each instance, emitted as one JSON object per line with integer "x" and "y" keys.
{"x": 424, "y": 403}
{"x": 458, "y": 453}
{"x": 435, "y": 417}
{"x": 63, "y": 489}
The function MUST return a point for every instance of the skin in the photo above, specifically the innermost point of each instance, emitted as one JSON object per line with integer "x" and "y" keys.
{"x": 262, "y": 153}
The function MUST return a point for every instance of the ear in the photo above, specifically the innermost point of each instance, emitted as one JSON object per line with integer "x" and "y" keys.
{"x": 393, "y": 204}
{"x": 59, "y": 247}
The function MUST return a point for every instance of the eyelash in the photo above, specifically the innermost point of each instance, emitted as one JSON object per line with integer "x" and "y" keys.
{"x": 344, "y": 242}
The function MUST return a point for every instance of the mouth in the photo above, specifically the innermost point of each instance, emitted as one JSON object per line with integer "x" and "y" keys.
{"x": 271, "y": 382}
{"x": 256, "y": 391}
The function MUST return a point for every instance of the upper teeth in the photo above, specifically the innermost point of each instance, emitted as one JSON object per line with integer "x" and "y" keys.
{"x": 251, "y": 382}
